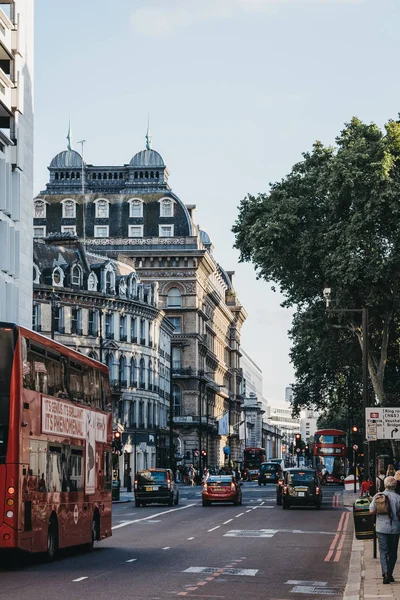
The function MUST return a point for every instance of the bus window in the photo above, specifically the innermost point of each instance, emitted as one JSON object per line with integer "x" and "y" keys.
{"x": 53, "y": 363}
{"x": 54, "y": 476}
{"x": 38, "y": 464}
{"x": 7, "y": 345}
{"x": 106, "y": 393}
{"x": 75, "y": 381}
{"x": 76, "y": 470}
{"x": 91, "y": 386}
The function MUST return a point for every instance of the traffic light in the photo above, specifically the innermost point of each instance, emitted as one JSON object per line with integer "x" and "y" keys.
{"x": 204, "y": 455}
{"x": 354, "y": 429}
{"x": 298, "y": 440}
{"x": 117, "y": 442}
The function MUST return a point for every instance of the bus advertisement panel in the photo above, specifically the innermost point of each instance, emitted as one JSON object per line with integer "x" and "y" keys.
{"x": 55, "y": 444}
{"x": 330, "y": 452}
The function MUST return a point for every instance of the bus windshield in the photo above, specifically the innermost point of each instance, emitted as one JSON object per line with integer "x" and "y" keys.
{"x": 330, "y": 439}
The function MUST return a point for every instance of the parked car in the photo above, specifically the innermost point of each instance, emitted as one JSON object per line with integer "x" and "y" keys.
{"x": 155, "y": 486}
{"x": 279, "y": 488}
{"x": 221, "y": 488}
{"x": 301, "y": 487}
{"x": 269, "y": 473}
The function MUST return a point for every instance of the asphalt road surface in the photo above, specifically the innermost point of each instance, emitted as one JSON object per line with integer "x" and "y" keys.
{"x": 254, "y": 551}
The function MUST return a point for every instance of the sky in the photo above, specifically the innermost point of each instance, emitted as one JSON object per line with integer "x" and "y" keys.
{"x": 236, "y": 91}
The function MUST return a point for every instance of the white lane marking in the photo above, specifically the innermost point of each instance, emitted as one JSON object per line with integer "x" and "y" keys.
{"x": 80, "y": 579}
{"x": 313, "y": 583}
{"x": 248, "y": 510}
{"x": 214, "y": 528}
{"x": 239, "y": 515}
{"x": 192, "y": 538}
{"x": 228, "y": 521}
{"x": 166, "y": 548}
{"x": 227, "y": 571}
{"x": 131, "y": 560}
{"x": 149, "y": 518}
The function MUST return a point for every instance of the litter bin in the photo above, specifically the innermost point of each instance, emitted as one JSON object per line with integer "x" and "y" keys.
{"x": 115, "y": 489}
{"x": 364, "y": 522}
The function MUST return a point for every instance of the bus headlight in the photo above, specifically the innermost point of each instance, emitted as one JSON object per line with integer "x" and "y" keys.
{"x": 10, "y": 514}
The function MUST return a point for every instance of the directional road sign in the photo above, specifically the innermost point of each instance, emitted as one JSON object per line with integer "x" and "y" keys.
{"x": 382, "y": 423}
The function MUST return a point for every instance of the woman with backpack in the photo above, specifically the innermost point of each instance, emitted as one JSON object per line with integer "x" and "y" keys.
{"x": 386, "y": 506}
{"x": 397, "y": 478}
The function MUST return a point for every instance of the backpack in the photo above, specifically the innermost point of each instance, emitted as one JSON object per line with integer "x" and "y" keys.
{"x": 381, "y": 485}
{"x": 382, "y": 505}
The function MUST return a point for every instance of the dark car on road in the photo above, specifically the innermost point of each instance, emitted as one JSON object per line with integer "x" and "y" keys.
{"x": 269, "y": 473}
{"x": 155, "y": 486}
{"x": 221, "y": 488}
{"x": 301, "y": 487}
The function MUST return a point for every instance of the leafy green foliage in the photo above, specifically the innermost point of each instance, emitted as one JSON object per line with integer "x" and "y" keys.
{"x": 334, "y": 221}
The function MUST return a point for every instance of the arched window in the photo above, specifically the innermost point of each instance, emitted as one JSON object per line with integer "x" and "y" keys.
{"x": 136, "y": 208}
{"x": 132, "y": 414}
{"x": 150, "y": 376}
{"x": 110, "y": 176}
{"x": 136, "y": 174}
{"x": 149, "y": 415}
{"x": 142, "y": 374}
{"x": 72, "y": 175}
{"x": 110, "y": 281}
{"x": 76, "y": 275}
{"x": 133, "y": 374}
{"x": 68, "y": 209}
{"x": 177, "y": 400}
{"x": 94, "y": 176}
{"x": 102, "y": 208}
{"x": 93, "y": 354}
{"x": 166, "y": 208}
{"x": 36, "y": 274}
{"x": 92, "y": 282}
{"x": 56, "y": 175}
{"x": 174, "y": 298}
{"x": 40, "y": 209}
{"x": 122, "y": 372}
{"x": 58, "y": 277}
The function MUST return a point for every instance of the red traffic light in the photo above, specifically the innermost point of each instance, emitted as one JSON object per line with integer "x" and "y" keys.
{"x": 354, "y": 429}
{"x": 117, "y": 435}
{"x": 298, "y": 436}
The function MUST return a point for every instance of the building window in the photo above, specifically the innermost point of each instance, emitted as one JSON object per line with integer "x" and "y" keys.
{"x": 76, "y": 275}
{"x": 58, "y": 277}
{"x": 177, "y": 400}
{"x": 109, "y": 326}
{"x": 142, "y": 374}
{"x": 92, "y": 282}
{"x": 166, "y": 231}
{"x": 142, "y": 331}
{"x": 133, "y": 330}
{"x": 177, "y": 323}
{"x": 166, "y": 208}
{"x": 133, "y": 380}
{"x": 150, "y": 376}
{"x": 102, "y": 209}
{"x": 68, "y": 229}
{"x": 176, "y": 359}
{"x": 36, "y": 317}
{"x": 76, "y": 321}
{"x": 68, "y": 209}
{"x": 122, "y": 372}
{"x": 110, "y": 281}
{"x": 59, "y": 319}
{"x": 136, "y": 208}
{"x": 39, "y": 232}
{"x": 132, "y": 414}
{"x": 122, "y": 328}
{"x": 101, "y": 231}
{"x": 40, "y": 209}
{"x": 110, "y": 364}
{"x": 135, "y": 231}
{"x": 36, "y": 274}
{"x": 93, "y": 323}
{"x": 174, "y": 298}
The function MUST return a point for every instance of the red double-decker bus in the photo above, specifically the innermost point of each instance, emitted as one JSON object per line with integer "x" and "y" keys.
{"x": 252, "y": 459}
{"x": 55, "y": 445}
{"x": 330, "y": 451}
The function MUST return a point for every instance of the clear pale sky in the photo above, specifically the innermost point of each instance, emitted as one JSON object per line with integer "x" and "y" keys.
{"x": 236, "y": 89}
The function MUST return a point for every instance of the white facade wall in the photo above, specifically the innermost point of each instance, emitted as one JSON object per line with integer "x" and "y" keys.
{"x": 308, "y": 424}
{"x": 252, "y": 379}
{"x": 16, "y": 161}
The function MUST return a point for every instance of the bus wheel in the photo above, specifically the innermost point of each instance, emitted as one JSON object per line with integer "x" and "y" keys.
{"x": 52, "y": 538}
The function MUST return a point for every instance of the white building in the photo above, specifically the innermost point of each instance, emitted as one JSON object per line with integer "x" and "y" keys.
{"x": 252, "y": 379}
{"x": 16, "y": 160}
{"x": 308, "y": 423}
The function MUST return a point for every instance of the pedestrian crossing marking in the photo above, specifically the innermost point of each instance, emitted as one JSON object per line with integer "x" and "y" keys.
{"x": 227, "y": 571}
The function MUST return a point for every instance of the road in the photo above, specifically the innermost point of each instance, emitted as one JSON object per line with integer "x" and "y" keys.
{"x": 254, "y": 551}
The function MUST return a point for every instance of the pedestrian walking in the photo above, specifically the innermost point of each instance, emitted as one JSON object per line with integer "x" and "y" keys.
{"x": 380, "y": 486}
{"x": 390, "y": 471}
{"x": 386, "y": 506}
{"x": 397, "y": 478}
{"x": 192, "y": 475}
{"x": 366, "y": 487}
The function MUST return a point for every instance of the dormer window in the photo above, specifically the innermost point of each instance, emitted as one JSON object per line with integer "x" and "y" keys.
{"x": 69, "y": 209}
{"x": 109, "y": 280}
{"x": 40, "y": 209}
{"x": 36, "y": 274}
{"x": 102, "y": 209}
{"x": 122, "y": 288}
{"x": 92, "y": 282}
{"x": 166, "y": 208}
{"x": 58, "y": 277}
{"x": 136, "y": 208}
{"x": 76, "y": 275}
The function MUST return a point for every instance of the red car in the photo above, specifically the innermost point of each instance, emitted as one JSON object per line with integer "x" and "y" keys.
{"x": 221, "y": 488}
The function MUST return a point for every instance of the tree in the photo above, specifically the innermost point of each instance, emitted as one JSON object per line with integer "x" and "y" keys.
{"x": 333, "y": 221}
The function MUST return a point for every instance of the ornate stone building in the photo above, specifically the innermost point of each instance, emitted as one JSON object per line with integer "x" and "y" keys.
{"x": 131, "y": 211}
{"x": 99, "y": 307}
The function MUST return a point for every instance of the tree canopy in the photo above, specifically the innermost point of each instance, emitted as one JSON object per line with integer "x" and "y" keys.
{"x": 334, "y": 221}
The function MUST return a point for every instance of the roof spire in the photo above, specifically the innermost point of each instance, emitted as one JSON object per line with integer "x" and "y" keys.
{"x": 69, "y": 147}
{"x": 148, "y": 134}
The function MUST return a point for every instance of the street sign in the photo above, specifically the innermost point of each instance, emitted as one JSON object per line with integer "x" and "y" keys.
{"x": 355, "y": 447}
{"x": 196, "y": 453}
{"x": 382, "y": 423}
{"x": 297, "y": 449}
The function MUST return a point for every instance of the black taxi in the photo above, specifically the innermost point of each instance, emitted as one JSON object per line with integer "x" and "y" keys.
{"x": 301, "y": 487}
{"x": 155, "y": 486}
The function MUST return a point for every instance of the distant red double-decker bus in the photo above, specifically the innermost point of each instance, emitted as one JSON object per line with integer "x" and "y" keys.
{"x": 55, "y": 445}
{"x": 252, "y": 459}
{"x": 330, "y": 451}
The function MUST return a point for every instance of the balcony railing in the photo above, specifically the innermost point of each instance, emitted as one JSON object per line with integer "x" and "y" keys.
{"x": 37, "y": 328}
{"x": 142, "y": 385}
{"x": 182, "y": 371}
{"x": 143, "y": 341}
{"x": 109, "y": 336}
{"x": 161, "y": 352}
{"x": 93, "y": 331}
{"x": 134, "y": 339}
{"x": 123, "y": 337}
{"x": 76, "y": 330}
{"x": 133, "y": 384}
{"x": 59, "y": 330}
{"x": 119, "y": 384}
